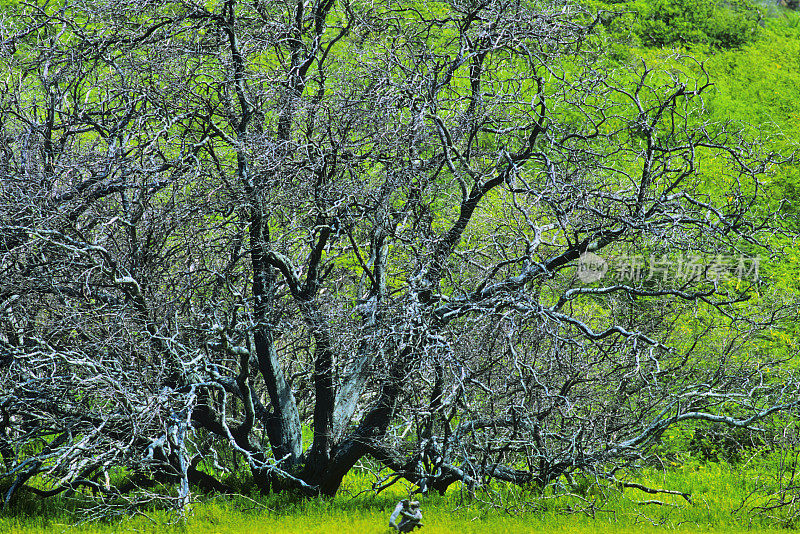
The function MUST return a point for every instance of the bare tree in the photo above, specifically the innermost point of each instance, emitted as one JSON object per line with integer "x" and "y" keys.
{"x": 223, "y": 224}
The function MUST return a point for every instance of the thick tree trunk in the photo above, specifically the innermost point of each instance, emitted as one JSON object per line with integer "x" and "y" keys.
{"x": 283, "y": 427}
{"x": 319, "y": 455}
{"x": 368, "y": 434}
{"x": 358, "y": 373}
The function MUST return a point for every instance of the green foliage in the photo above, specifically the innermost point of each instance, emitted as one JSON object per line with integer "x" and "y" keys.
{"x": 757, "y": 85}
{"x": 722, "y": 24}
{"x": 723, "y": 444}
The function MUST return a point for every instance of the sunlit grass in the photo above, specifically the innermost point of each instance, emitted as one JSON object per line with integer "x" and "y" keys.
{"x": 717, "y": 489}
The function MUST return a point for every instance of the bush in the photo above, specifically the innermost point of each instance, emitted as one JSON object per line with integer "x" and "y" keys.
{"x": 711, "y": 444}
{"x": 718, "y": 23}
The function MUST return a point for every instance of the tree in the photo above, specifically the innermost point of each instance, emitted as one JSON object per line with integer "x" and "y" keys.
{"x": 225, "y": 223}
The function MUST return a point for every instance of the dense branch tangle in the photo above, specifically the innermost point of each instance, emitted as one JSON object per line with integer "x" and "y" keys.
{"x": 223, "y": 223}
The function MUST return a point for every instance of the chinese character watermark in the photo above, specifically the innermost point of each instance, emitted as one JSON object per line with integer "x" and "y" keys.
{"x": 640, "y": 268}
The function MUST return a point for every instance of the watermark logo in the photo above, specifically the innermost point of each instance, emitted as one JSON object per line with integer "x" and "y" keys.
{"x": 591, "y": 267}
{"x": 639, "y": 268}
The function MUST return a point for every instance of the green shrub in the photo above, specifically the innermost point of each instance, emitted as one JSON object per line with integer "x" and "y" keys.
{"x": 731, "y": 445}
{"x": 664, "y": 23}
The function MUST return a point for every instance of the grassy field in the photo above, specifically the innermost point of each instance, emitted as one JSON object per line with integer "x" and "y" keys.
{"x": 717, "y": 490}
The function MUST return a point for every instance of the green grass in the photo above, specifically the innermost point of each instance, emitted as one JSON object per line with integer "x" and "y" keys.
{"x": 717, "y": 490}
